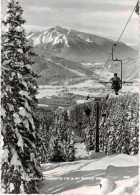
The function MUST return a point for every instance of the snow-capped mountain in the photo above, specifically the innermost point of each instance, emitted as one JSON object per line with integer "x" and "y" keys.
{"x": 77, "y": 46}
{"x": 66, "y": 55}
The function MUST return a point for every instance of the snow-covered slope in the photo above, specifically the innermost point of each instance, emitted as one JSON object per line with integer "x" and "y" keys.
{"x": 84, "y": 176}
{"x": 77, "y": 46}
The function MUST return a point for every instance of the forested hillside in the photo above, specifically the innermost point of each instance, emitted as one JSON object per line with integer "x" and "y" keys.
{"x": 56, "y": 138}
{"x": 118, "y": 129}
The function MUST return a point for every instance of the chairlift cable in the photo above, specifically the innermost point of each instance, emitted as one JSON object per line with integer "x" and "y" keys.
{"x": 117, "y": 42}
{"x": 119, "y": 38}
{"x": 131, "y": 73}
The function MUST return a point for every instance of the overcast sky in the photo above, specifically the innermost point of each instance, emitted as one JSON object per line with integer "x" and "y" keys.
{"x": 102, "y": 17}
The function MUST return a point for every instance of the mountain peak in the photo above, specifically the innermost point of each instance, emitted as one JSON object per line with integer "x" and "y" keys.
{"x": 77, "y": 46}
{"x": 59, "y": 27}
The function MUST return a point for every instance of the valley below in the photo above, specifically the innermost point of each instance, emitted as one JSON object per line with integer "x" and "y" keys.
{"x": 71, "y": 65}
{"x": 69, "y": 94}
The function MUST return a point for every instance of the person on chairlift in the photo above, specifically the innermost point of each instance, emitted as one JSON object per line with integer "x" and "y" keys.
{"x": 116, "y": 81}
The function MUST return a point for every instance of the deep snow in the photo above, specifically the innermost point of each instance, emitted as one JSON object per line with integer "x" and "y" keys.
{"x": 116, "y": 173}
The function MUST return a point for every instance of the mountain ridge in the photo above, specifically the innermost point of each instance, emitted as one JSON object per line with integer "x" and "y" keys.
{"x": 77, "y": 46}
{"x": 66, "y": 54}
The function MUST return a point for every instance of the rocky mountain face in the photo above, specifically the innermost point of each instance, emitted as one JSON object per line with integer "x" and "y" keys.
{"x": 77, "y": 46}
{"x": 64, "y": 53}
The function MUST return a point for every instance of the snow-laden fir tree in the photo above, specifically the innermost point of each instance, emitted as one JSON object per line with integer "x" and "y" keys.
{"x": 44, "y": 119}
{"x": 41, "y": 145}
{"x": 67, "y": 136}
{"x": 118, "y": 130}
{"x": 20, "y": 167}
{"x": 61, "y": 144}
{"x": 121, "y": 133}
{"x": 89, "y": 126}
{"x": 56, "y": 149}
{"x": 68, "y": 144}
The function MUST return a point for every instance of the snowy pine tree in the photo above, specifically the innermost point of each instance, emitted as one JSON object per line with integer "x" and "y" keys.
{"x": 68, "y": 144}
{"x": 61, "y": 144}
{"x": 20, "y": 167}
{"x": 71, "y": 147}
{"x": 88, "y": 131}
{"x": 118, "y": 124}
{"x": 56, "y": 150}
{"x": 67, "y": 137}
{"x": 45, "y": 118}
{"x": 121, "y": 125}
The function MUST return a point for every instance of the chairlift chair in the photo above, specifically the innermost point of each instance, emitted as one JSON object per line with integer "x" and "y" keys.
{"x": 118, "y": 85}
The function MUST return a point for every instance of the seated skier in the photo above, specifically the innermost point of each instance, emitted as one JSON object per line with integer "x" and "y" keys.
{"x": 116, "y": 81}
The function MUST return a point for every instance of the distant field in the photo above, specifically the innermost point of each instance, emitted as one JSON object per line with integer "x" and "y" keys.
{"x": 65, "y": 95}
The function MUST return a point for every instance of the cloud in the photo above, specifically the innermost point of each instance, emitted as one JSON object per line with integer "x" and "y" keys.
{"x": 103, "y": 17}
{"x": 31, "y": 28}
{"x": 78, "y": 5}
